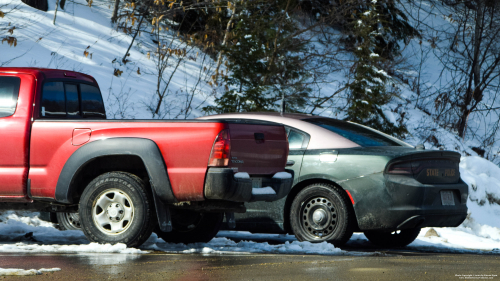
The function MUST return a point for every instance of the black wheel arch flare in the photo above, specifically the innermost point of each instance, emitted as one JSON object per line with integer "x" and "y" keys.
{"x": 145, "y": 149}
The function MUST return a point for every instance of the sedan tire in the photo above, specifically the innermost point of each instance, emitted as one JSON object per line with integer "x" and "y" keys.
{"x": 116, "y": 208}
{"x": 322, "y": 212}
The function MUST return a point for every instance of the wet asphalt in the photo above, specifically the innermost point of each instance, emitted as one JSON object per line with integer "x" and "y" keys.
{"x": 379, "y": 265}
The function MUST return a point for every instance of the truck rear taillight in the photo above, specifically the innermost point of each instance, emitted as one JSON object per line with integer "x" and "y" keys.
{"x": 221, "y": 150}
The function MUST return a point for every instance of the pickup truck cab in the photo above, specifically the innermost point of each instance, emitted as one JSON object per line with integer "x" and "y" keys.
{"x": 127, "y": 178}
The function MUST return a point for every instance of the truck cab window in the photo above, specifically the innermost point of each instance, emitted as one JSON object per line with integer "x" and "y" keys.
{"x": 9, "y": 91}
{"x": 53, "y": 100}
{"x": 72, "y": 101}
{"x": 92, "y": 103}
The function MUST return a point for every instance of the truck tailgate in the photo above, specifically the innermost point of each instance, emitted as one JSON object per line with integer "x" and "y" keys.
{"x": 258, "y": 149}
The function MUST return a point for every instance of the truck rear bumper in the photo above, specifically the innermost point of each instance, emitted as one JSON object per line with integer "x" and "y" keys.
{"x": 221, "y": 184}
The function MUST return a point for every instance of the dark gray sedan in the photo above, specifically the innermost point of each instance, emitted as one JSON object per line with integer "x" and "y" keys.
{"x": 349, "y": 177}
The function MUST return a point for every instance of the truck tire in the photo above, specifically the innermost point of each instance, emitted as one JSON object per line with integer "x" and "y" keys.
{"x": 191, "y": 227}
{"x": 68, "y": 221}
{"x": 322, "y": 212}
{"x": 400, "y": 238}
{"x": 116, "y": 208}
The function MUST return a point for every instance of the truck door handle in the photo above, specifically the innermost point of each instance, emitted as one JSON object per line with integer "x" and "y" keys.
{"x": 290, "y": 163}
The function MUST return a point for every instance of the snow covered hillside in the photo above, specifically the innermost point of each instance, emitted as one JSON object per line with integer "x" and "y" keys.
{"x": 84, "y": 40}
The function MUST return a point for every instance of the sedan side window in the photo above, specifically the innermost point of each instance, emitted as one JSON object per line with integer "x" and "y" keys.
{"x": 295, "y": 140}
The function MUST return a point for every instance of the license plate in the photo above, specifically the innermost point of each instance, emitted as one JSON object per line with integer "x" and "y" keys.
{"x": 447, "y": 198}
{"x": 256, "y": 182}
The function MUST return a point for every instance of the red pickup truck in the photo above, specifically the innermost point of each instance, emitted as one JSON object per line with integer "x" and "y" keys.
{"x": 127, "y": 178}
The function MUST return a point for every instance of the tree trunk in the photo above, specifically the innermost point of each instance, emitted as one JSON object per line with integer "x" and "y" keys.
{"x": 133, "y": 39}
{"x": 474, "y": 83}
{"x": 224, "y": 42}
{"x": 114, "y": 17}
{"x": 55, "y": 13}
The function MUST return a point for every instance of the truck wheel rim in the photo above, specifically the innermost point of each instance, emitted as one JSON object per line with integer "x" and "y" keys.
{"x": 318, "y": 218}
{"x": 113, "y": 212}
{"x": 73, "y": 219}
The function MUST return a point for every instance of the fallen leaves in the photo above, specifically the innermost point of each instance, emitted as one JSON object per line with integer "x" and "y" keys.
{"x": 117, "y": 72}
{"x": 12, "y": 41}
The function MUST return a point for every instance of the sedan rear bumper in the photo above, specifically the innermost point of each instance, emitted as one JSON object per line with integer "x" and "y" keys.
{"x": 221, "y": 184}
{"x": 403, "y": 203}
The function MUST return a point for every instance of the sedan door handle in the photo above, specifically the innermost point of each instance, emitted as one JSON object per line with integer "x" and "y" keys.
{"x": 290, "y": 163}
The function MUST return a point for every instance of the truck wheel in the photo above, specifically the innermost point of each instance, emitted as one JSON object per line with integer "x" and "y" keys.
{"x": 321, "y": 212}
{"x": 191, "y": 227}
{"x": 68, "y": 221}
{"x": 400, "y": 238}
{"x": 116, "y": 208}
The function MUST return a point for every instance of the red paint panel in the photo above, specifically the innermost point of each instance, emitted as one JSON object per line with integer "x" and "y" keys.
{"x": 14, "y": 142}
{"x": 185, "y": 147}
{"x": 81, "y": 136}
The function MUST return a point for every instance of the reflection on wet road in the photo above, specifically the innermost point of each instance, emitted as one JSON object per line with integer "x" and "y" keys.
{"x": 399, "y": 265}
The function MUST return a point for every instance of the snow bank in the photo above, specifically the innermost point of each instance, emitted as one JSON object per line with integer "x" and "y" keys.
{"x": 461, "y": 239}
{"x": 483, "y": 179}
{"x": 241, "y": 175}
{"x": 220, "y": 245}
{"x": 24, "y": 272}
{"x": 85, "y": 248}
{"x": 282, "y": 175}
{"x": 24, "y": 232}
{"x": 264, "y": 190}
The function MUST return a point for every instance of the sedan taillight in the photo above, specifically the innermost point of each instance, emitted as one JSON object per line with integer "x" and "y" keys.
{"x": 219, "y": 157}
{"x": 402, "y": 168}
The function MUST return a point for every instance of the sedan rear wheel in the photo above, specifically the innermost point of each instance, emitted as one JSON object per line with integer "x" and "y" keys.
{"x": 398, "y": 238}
{"x": 321, "y": 212}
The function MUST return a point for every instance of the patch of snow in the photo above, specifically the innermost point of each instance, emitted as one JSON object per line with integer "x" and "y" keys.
{"x": 456, "y": 240}
{"x": 85, "y": 248}
{"x": 24, "y": 232}
{"x": 282, "y": 175}
{"x": 390, "y": 116}
{"x": 24, "y": 272}
{"x": 263, "y": 190}
{"x": 373, "y": 55}
{"x": 220, "y": 245}
{"x": 241, "y": 175}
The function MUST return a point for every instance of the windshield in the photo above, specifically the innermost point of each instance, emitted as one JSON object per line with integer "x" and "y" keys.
{"x": 355, "y": 133}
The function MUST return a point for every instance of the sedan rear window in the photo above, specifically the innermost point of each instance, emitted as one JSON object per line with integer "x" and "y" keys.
{"x": 355, "y": 133}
